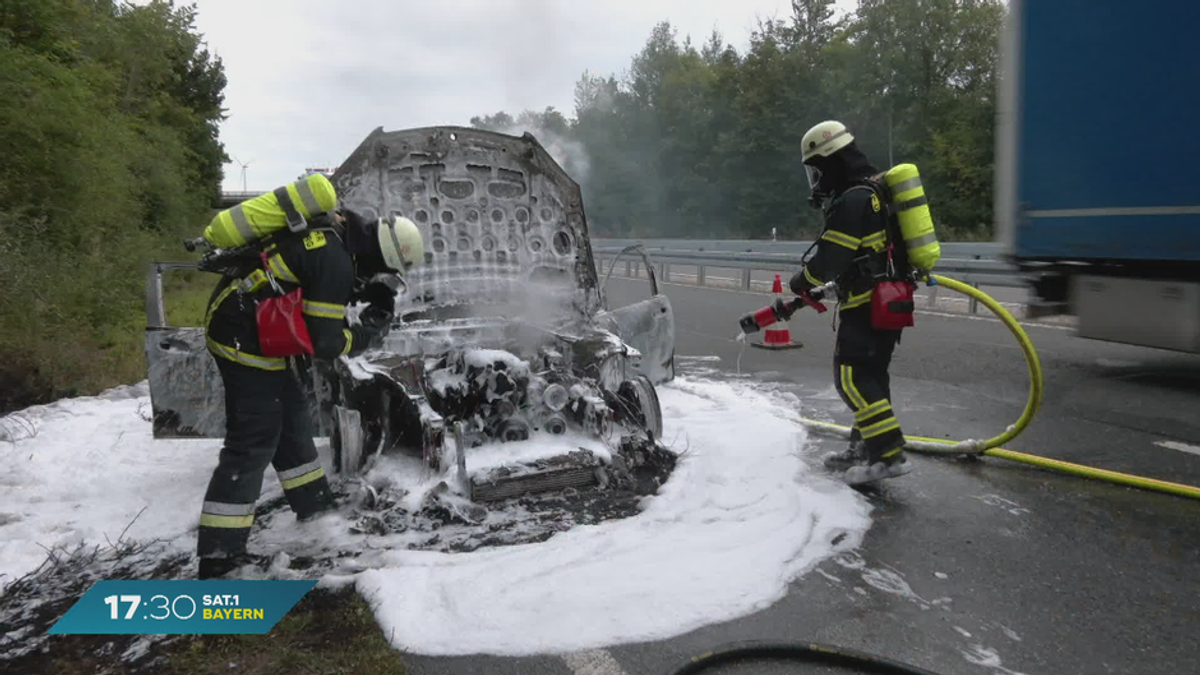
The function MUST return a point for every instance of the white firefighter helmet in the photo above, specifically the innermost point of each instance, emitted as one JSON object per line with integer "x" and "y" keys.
{"x": 401, "y": 243}
{"x": 823, "y": 140}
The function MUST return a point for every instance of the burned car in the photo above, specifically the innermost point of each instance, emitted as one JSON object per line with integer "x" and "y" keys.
{"x": 502, "y": 336}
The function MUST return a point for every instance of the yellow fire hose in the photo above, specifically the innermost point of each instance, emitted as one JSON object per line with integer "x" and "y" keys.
{"x": 991, "y": 447}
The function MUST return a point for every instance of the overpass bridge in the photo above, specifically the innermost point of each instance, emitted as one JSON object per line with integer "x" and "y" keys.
{"x": 233, "y": 198}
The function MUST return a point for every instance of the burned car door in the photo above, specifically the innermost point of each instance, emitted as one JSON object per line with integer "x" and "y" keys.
{"x": 648, "y": 326}
{"x": 186, "y": 394}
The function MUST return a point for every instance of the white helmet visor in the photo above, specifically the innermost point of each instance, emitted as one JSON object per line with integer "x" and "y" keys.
{"x": 814, "y": 176}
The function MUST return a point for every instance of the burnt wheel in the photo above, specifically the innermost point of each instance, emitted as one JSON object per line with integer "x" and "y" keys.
{"x": 640, "y": 403}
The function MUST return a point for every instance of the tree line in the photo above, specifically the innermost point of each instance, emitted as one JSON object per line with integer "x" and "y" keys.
{"x": 703, "y": 141}
{"x": 109, "y": 117}
{"x": 109, "y": 155}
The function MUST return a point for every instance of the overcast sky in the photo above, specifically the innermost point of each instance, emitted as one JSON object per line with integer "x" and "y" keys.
{"x": 309, "y": 79}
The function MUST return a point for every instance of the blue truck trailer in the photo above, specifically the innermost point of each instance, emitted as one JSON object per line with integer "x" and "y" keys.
{"x": 1098, "y": 164}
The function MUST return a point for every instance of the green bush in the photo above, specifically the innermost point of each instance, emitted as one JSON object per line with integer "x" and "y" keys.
{"x": 108, "y": 119}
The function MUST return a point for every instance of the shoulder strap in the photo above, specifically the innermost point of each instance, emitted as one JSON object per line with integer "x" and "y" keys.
{"x": 859, "y": 186}
{"x": 295, "y": 221}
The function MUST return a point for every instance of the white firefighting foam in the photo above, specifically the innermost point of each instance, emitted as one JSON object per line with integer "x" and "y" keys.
{"x": 79, "y": 471}
{"x": 744, "y": 512}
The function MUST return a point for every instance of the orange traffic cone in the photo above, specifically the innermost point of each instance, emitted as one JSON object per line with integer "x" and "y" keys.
{"x": 777, "y": 335}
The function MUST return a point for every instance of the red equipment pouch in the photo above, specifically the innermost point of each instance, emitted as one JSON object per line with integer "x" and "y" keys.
{"x": 892, "y": 305}
{"x": 282, "y": 331}
{"x": 281, "y": 328}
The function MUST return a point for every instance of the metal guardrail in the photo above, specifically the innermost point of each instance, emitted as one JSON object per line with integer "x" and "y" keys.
{"x": 984, "y": 250}
{"x": 977, "y": 264}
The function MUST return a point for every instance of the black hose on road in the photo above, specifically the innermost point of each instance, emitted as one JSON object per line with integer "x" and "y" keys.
{"x": 806, "y": 652}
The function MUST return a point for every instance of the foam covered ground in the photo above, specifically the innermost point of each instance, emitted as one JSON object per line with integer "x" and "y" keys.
{"x": 80, "y": 471}
{"x": 744, "y": 512}
{"x": 742, "y": 515}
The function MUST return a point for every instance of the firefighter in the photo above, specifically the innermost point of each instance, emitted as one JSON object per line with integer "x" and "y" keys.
{"x": 851, "y": 251}
{"x": 268, "y": 418}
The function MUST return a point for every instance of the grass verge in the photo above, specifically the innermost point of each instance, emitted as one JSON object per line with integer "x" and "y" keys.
{"x": 41, "y": 362}
{"x": 329, "y": 632}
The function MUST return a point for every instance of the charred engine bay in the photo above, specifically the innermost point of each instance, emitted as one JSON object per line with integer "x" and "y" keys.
{"x": 447, "y": 522}
{"x": 528, "y": 443}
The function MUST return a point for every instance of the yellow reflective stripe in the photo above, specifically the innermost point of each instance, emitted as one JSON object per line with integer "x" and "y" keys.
{"x": 324, "y": 310}
{"x": 899, "y": 197}
{"x": 857, "y": 300}
{"x": 842, "y": 239}
{"x": 875, "y": 408}
{"x": 349, "y": 341}
{"x": 308, "y": 198}
{"x": 280, "y": 269}
{"x": 252, "y": 360}
{"x": 254, "y": 281}
{"x": 856, "y": 399}
{"x": 217, "y": 303}
{"x": 890, "y": 424}
{"x": 293, "y": 483}
{"x": 894, "y": 451}
{"x": 923, "y": 240}
{"x": 854, "y": 392}
{"x": 227, "y": 509}
{"x": 808, "y": 276}
{"x": 242, "y": 224}
{"x": 906, "y": 185}
{"x": 296, "y": 471}
{"x": 876, "y": 241}
{"x": 228, "y": 522}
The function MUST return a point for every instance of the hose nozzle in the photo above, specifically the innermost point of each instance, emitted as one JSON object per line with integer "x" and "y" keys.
{"x": 780, "y": 310}
{"x": 192, "y": 244}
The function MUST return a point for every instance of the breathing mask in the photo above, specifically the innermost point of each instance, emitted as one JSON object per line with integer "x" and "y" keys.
{"x": 816, "y": 196}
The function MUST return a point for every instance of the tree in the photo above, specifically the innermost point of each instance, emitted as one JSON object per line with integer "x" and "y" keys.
{"x": 108, "y": 127}
{"x": 705, "y": 142}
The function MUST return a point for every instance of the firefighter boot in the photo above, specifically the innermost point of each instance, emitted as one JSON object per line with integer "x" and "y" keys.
{"x": 322, "y": 501}
{"x": 888, "y": 464}
{"x": 840, "y": 460}
{"x": 216, "y": 568}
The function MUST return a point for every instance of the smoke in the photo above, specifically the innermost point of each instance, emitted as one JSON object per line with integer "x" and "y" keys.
{"x": 568, "y": 153}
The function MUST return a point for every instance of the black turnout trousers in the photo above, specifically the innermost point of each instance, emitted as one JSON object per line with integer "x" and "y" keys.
{"x": 862, "y": 357}
{"x": 268, "y": 422}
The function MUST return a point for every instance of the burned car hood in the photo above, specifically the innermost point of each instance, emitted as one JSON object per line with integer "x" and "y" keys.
{"x": 508, "y": 265}
{"x": 504, "y": 226}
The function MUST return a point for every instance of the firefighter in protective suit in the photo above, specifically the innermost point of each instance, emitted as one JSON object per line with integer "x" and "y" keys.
{"x": 343, "y": 258}
{"x": 852, "y": 245}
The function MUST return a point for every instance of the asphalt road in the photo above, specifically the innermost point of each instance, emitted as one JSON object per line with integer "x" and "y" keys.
{"x": 981, "y": 566}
